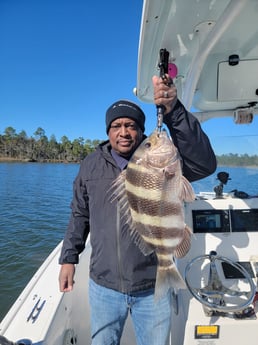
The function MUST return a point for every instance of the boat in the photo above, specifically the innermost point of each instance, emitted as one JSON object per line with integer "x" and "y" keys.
{"x": 210, "y": 49}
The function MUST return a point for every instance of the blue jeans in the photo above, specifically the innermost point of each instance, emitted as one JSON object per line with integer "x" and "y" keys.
{"x": 109, "y": 310}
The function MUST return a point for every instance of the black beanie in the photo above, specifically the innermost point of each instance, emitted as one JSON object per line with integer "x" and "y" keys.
{"x": 124, "y": 108}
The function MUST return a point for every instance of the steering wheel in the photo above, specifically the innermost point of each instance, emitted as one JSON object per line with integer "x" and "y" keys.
{"x": 215, "y": 295}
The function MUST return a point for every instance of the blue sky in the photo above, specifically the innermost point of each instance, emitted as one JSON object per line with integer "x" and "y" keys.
{"x": 63, "y": 62}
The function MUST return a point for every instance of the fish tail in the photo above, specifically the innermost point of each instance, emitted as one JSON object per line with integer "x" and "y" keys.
{"x": 166, "y": 279}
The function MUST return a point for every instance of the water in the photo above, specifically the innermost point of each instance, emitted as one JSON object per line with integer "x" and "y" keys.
{"x": 34, "y": 212}
{"x": 242, "y": 179}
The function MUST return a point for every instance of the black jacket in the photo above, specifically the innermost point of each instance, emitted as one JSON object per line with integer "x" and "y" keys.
{"x": 116, "y": 262}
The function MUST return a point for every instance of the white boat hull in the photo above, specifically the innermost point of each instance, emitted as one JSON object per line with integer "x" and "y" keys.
{"x": 43, "y": 315}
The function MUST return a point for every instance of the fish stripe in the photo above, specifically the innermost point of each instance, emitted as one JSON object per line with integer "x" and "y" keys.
{"x": 173, "y": 220}
{"x": 151, "y": 194}
{"x": 153, "y": 207}
{"x": 168, "y": 242}
{"x": 159, "y": 232}
{"x": 142, "y": 177}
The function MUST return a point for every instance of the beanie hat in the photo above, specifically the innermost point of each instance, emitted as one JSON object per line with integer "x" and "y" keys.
{"x": 124, "y": 108}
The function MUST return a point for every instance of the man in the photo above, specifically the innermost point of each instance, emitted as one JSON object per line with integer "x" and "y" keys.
{"x": 122, "y": 279}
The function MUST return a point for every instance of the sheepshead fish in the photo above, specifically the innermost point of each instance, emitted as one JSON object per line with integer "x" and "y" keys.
{"x": 150, "y": 193}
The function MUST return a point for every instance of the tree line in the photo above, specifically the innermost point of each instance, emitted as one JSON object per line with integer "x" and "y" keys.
{"x": 238, "y": 160}
{"x": 40, "y": 148}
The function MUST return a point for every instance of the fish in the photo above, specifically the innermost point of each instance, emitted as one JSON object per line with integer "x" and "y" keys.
{"x": 151, "y": 193}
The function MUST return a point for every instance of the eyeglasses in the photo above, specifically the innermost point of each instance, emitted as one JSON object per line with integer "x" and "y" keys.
{"x": 130, "y": 126}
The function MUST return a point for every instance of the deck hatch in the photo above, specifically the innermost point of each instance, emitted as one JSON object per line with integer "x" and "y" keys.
{"x": 237, "y": 82}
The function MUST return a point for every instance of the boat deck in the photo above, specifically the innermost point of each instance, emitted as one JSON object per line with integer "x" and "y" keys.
{"x": 228, "y": 226}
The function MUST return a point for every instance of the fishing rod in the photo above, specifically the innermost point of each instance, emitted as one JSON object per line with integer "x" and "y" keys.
{"x": 163, "y": 70}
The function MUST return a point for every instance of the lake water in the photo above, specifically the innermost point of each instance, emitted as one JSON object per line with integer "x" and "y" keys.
{"x": 34, "y": 211}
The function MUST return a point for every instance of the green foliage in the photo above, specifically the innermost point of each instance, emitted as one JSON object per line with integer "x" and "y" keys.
{"x": 237, "y": 160}
{"x": 39, "y": 148}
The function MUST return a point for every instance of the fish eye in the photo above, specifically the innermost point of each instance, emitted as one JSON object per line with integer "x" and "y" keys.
{"x": 148, "y": 145}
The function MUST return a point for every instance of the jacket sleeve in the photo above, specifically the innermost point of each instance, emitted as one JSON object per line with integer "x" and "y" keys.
{"x": 193, "y": 144}
{"x": 78, "y": 226}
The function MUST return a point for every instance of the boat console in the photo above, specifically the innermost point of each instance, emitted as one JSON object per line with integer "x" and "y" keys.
{"x": 221, "y": 272}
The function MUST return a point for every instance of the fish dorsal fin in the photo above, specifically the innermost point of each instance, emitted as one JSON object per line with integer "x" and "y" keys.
{"x": 184, "y": 246}
{"x": 186, "y": 191}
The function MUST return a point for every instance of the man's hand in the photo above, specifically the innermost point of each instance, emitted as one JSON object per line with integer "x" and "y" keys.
{"x": 165, "y": 92}
{"x": 66, "y": 277}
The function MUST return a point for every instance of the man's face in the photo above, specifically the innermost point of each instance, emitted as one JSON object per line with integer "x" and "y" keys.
{"x": 124, "y": 136}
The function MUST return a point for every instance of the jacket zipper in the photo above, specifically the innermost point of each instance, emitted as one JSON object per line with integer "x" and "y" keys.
{"x": 119, "y": 261}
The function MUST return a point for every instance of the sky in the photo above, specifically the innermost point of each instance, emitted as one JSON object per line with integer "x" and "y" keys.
{"x": 64, "y": 62}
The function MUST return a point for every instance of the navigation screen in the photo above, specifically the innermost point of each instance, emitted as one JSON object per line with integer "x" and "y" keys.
{"x": 231, "y": 272}
{"x": 211, "y": 221}
{"x": 208, "y": 221}
{"x": 245, "y": 220}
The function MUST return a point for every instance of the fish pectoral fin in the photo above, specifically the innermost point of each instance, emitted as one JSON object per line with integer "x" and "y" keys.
{"x": 184, "y": 246}
{"x": 170, "y": 170}
{"x": 187, "y": 192}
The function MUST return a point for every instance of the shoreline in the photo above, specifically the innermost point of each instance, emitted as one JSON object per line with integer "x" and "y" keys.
{"x": 16, "y": 160}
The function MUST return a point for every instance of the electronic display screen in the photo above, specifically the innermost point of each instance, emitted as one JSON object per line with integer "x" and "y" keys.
{"x": 210, "y": 221}
{"x": 231, "y": 272}
{"x": 244, "y": 220}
